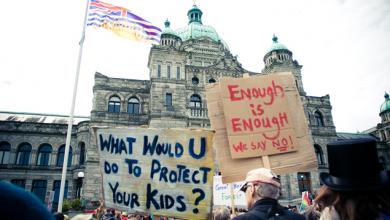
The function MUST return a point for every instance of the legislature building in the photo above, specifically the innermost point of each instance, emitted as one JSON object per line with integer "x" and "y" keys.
{"x": 186, "y": 61}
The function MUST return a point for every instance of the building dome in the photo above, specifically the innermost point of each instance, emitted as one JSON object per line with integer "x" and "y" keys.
{"x": 167, "y": 29}
{"x": 276, "y": 45}
{"x": 386, "y": 105}
{"x": 196, "y": 30}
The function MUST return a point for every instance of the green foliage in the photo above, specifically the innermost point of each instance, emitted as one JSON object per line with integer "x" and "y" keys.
{"x": 76, "y": 205}
{"x": 66, "y": 205}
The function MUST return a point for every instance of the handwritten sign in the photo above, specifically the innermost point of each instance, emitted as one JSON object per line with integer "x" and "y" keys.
{"x": 258, "y": 119}
{"x": 222, "y": 193}
{"x": 163, "y": 172}
{"x": 235, "y": 169}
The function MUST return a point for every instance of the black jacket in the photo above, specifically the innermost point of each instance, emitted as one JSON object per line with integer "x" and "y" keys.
{"x": 269, "y": 209}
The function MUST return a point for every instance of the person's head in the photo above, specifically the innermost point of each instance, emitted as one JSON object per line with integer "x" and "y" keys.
{"x": 221, "y": 213}
{"x": 16, "y": 203}
{"x": 59, "y": 216}
{"x": 260, "y": 183}
{"x": 354, "y": 181}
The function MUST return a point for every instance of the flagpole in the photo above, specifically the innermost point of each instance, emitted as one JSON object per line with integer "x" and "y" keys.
{"x": 70, "y": 122}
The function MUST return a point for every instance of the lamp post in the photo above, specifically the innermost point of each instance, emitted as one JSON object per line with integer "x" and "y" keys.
{"x": 80, "y": 177}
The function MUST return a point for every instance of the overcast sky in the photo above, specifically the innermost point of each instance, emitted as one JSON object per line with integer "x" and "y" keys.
{"x": 344, "y": 47}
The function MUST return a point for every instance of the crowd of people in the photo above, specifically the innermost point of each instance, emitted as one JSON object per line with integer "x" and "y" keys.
{"x": 357, "y": 187}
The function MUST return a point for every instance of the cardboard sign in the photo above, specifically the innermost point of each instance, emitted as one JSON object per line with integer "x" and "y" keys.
{"x": 222, "y": 194}
{"x": 163, "y": 172}
{"x": 234, "y": 170}
{"x": 257, "y": 115}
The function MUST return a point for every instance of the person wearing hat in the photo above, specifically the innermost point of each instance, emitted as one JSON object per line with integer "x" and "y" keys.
{"x": 262, "y": 189}
{"x": 353, "y": 188}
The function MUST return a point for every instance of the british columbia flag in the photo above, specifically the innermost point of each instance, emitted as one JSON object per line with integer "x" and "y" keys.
{"x": 122, "y": 22}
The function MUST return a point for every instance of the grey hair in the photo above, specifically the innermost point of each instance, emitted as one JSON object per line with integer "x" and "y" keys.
{"x": 221, "y": 214}
{"x": 267, "y": 190}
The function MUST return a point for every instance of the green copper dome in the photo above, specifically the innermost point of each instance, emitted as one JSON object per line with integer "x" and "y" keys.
{"x": 386, "y": 105}
{"x": 167, "y": 29}
{"x": 196, "y": 30}
{"x": 276, "y": 46}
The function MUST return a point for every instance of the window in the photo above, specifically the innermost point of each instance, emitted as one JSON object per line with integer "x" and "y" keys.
{"x": 304, "y": 182}
{"x": 61, "y": 154}
{"x": 23, "y": 154}
{"x": 178, "y": 72}
{"x": 39, "y": 189}
{"x": 56, "y": 189}
{"x": 319, "y": 119}
{"x": 19, "y": 182}
{"x": 114, "y": 104}
{"x": 212, "y": 80}
{"x": 168, "y": 72}
{"x": 133, "y": 106}
{"x": 319, "y": 154}
{"x": 158, "y": 70}
{"x": 195, "y": 80}
{"x": 195, "y": 101}
{"x": 5, "y": 149}
{"x": 44, "y": 153}
{"x": 168, "y": 99}
{"x": 82, "y": 153}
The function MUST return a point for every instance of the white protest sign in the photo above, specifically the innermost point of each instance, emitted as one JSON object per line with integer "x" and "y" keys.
{"x": 222, "y": 193}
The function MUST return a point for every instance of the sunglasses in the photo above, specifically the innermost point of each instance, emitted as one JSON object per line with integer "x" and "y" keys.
{"x": 245, "y": 187}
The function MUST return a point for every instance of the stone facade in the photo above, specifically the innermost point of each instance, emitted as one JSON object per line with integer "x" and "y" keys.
{"x": 33, "y": 132}
{"x": 179, "y": 68}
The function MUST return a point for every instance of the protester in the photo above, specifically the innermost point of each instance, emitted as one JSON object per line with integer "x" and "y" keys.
{"x": 59, "y": 216}
{"x": 124, "y": 216}
{"x": 18, "y": 204}
{"x": 262, "y": 189}
{"x": 221, "y": 213}
{"x": 353, "y": 187}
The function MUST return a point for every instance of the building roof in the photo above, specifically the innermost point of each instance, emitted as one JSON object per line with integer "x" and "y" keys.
{"x": 40, "y": 118}
{"x": 276, "y": 45}
{"x": 196, "y": 30}
{"x": 167, "y": 29}
{"x": 345, "y": 135}
{"x": 385, "y": 105}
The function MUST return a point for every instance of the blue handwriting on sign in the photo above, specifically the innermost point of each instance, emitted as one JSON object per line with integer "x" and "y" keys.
{"x": 177, "y": 151}
{"x": 117, "y": 145}
{"x": 181, "y": 174}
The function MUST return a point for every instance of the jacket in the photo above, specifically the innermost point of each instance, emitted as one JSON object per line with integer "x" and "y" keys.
{"x": 269, "y": 209}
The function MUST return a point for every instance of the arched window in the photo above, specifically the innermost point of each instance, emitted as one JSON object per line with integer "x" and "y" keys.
{"x": 114, "y": 104}
{"x": 23, "y": 154}
{"x": 195, "y": 101}
{"x": 212, "y": 80}
{"x": 44, "y": 153}
{"x": 82, "y": 153}
{"x": 319, "y": 154}
{"x": 195, "y": 80}
{"x": 319, "y": 119}
{"x": 133, "y": 106}
{"x": 61, "y": 154}
{"x": 5, "y": 149}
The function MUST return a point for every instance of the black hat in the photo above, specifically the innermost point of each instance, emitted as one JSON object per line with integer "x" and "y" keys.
{"x": 354, "y": 165}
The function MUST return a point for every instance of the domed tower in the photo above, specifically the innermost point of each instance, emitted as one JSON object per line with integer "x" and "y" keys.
{"x": 280, "y": 59}
{"x": 196, "y": 30}
{"x": 169, "y": 37}
{"x": 384, "y": 112}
